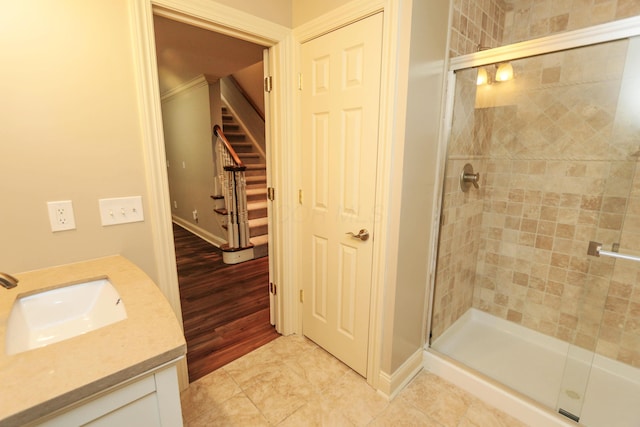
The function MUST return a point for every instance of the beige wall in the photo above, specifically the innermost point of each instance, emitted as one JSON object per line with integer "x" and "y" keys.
{"x": 428, "y": 48}
{"x": 187, "y": 118}
{"x": 251, "y": 80}
{"x": 70, "y": 130}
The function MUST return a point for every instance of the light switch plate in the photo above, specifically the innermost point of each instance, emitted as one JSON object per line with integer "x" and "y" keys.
{"x": 121, "y": 210}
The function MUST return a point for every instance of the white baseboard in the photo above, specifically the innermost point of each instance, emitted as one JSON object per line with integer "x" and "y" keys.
{"x": 200, "y": 232}
{"x": 390, "y": 385}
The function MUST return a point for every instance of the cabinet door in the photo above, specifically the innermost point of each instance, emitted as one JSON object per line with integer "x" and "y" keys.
{"x": 142, "y": 412}
{"x": 152, "y": 400}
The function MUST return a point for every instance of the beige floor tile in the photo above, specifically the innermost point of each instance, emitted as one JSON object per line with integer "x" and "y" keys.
{"x": 207, "y": 392}
{"x": 437, "y": 398}
{"x": 238, "y": 411}
{"x": 356, "y": 399}
{"x": 259, "y": 365}
{"x": 293, "y": 382}
{"x": 402, "y": 414}
{"x": 318, "y": 367}
{"x": 317, "y": 412}
{"x": 279, "y": 395}
{"x": 290, "y": 347}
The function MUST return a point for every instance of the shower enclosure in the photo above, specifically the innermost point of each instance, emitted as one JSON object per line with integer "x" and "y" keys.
{"x": 538, "y": 167}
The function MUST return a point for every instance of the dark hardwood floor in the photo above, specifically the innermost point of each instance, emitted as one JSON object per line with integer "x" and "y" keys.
{"x": 225, "y": 308}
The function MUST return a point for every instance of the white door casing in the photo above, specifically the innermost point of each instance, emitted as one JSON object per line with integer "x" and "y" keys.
{"x": 340, "y": 113}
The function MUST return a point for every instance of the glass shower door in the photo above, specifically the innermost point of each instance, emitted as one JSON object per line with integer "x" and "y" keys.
{"x": 601, "y": 381}
{"x": 556, "y": 148}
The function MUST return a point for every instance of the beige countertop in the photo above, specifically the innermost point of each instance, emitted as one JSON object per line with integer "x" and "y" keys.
{"x": 37, "y": 382}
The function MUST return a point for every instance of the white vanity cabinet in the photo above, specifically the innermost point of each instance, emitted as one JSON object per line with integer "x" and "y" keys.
{"x": 122, "y": 374}
{"x": 149, "y": 400}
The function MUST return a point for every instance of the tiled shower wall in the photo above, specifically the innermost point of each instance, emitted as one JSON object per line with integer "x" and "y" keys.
{"x": 546, "y": 191}
{"x": 493, "y": 23}
{"x": 476, "y": 24}
{"x": 558, "y": 175}
{"x": 527, "y": 19}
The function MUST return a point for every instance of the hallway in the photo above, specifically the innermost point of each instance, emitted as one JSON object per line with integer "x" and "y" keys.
{"x": 225, "y": 308}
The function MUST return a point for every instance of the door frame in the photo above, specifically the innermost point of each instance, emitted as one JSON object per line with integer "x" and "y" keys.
{"x": 243, "y": 26}
{"x": 388, "y": 186}
{"x": 283, "y": 162}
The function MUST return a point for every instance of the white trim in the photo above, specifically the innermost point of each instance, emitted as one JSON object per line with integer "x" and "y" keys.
{"x": 388, "y": 194}
{"x": 199, "y": 231}
{"x": 238, "y": 24}
{"x": 281, "y": 168}
{"x": 337, "y": 18}
{"x": 610, "y": 31}
{"x": 390, "y": 385}
{"x": 159, "y": 215}
{"x": 222, "y": 19}
{"x": 194, "y": 83}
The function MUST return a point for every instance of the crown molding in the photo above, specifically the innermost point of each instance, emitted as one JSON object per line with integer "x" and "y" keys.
{"x": 194, "y": 83}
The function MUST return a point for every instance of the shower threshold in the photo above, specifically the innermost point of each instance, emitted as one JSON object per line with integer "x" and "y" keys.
{"x": 537, "y": 366}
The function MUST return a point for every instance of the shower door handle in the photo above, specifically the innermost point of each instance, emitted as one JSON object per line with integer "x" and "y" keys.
{"x": 362, "y": 235}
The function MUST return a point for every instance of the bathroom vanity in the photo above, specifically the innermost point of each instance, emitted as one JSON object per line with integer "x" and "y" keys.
{"x": 121, "y": 374}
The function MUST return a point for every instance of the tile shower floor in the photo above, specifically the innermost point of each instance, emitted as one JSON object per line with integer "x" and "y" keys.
{"x": 293, "y": 382}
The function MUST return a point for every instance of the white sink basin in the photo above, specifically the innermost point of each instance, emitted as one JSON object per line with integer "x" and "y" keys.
{"x": 54, "y": 315}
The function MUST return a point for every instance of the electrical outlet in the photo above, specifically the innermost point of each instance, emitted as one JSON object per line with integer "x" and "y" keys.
{"x": 195, "y": 215}
{"x": 61, "y": 215}
{"x": 121, "y": 210}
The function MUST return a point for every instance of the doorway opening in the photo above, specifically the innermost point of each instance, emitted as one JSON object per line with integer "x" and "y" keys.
{"x": 204, "y": 78}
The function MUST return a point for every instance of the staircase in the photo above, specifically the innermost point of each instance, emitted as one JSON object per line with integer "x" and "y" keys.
{"x": 256, "y": 178}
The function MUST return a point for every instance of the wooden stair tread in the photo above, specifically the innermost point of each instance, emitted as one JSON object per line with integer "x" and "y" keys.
{"x": 256, "y": 191}
{"x": 255, "y": 180}
{"x": 262, "y": 239}
{"x": 257, "y": 205}
{"x": 258, "y": 221}
{"x": 255, "y": 166}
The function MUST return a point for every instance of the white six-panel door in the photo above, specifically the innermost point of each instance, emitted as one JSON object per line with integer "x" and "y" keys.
{"x": 340, "y": 108}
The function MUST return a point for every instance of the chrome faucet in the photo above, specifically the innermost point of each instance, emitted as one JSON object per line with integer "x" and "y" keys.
{"x": 8, "y": 281}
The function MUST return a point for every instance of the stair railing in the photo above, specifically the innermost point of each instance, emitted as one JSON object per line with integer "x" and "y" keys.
{"x": 231, "y": 174}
